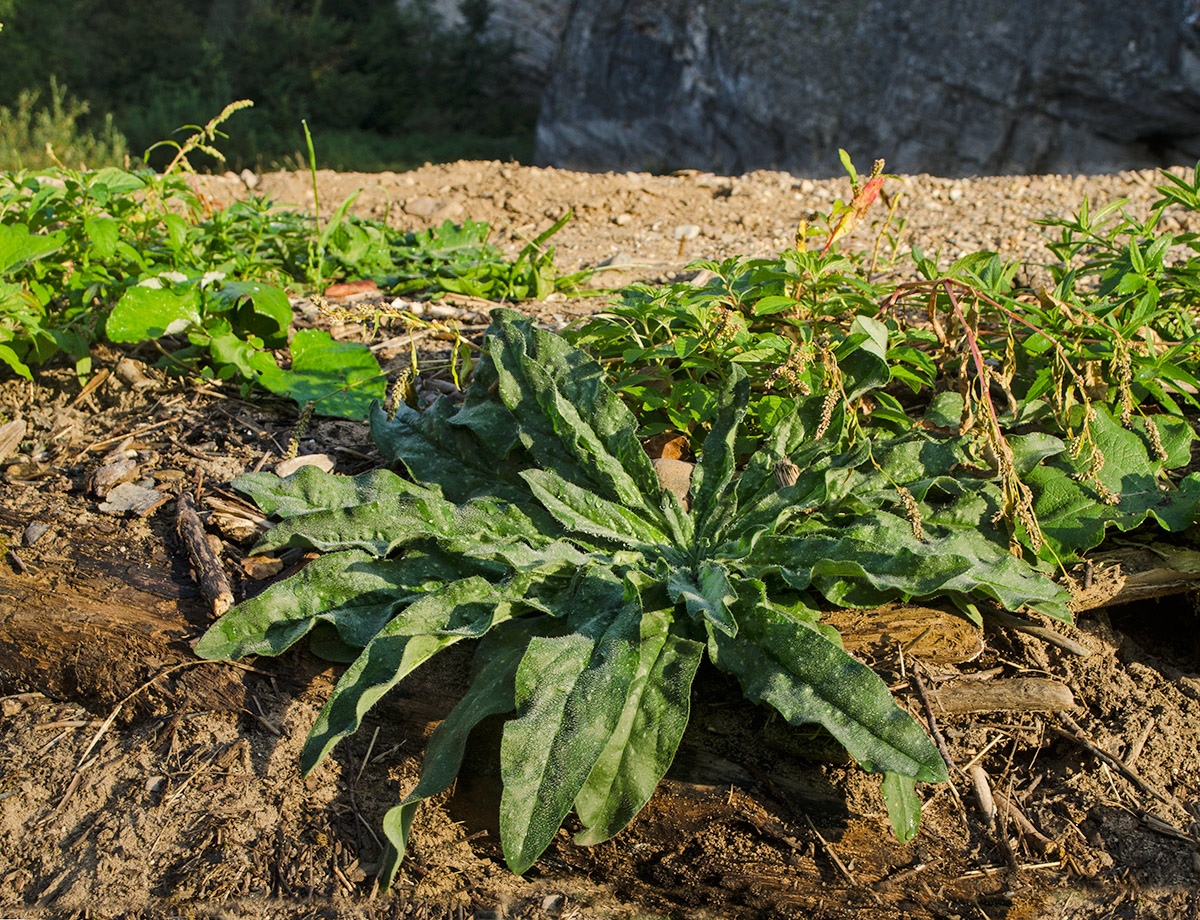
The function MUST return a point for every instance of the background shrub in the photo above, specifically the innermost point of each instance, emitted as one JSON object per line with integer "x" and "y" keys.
{"x": 381, "y": 85}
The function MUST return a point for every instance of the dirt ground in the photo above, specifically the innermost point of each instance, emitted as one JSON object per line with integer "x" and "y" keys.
{"x": 188, "y": 802}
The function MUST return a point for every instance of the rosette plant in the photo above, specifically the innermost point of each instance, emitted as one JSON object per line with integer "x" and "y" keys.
{"x": 530, "y": 520}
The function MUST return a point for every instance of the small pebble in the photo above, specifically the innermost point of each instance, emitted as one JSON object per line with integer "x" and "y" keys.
{"x": 34, "y": 532}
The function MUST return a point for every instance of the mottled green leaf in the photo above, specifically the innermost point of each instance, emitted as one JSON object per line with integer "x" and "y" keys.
{"x": 570, "y": 692}
{"x": 463, "y": 609}
{"x": 647, "y": 735}
{"x": 780, "y": 661}
{"x": 492, "y": 692}
{"x": 903, "y": 804}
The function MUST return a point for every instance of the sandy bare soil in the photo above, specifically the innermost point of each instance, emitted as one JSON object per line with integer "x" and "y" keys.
{"x": 189, "y": 803}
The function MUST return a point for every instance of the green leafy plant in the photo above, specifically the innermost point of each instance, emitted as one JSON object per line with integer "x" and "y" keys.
{"x": 34, "y": 135}
{"x": 140, "y": 257}
{"x": 535, "y": 523}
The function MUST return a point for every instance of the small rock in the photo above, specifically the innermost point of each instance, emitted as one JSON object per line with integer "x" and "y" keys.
{"x": 10, "y": 707}
{"x": 287, "y": 467}
{"x": 687, "y": 232}
{"x": 423, "y": 207}
{"x": 34, "y": 532}
{"x": 249, "y": 179}
{"x": 675, "y": 476}
{"x": 622, "y": 219}
{"x": 451, "y": 210}
{"x": 617, "y": 259}
{"x": 111, "y": 475}
{"x": 130, "y": 499}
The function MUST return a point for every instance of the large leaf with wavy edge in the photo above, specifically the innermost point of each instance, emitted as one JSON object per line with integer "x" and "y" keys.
{"x": 462, "y": 610}
{"x": 880, "y": 551}
{"x": 570, "y": 693}
{"x": 434, "y": 446}
{"x": 383, "y": 526}
{"x": 714, "y": 471}
{"x": 581, "y": 511}
{"x": 781, "y": 661}
{"x": 642, "y": 746}
{"x": 492, "y": 692}
{"x": 353, "y": 590}
{"x": 310, "y": 489}
{"x": 570, "y": 418}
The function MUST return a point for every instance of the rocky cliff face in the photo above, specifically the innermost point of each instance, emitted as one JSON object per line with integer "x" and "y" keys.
{"x": 953, "y": 87}
{"x": 535, "y": 27}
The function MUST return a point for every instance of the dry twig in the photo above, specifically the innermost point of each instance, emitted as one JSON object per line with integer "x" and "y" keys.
{"x": 210, "y": 574}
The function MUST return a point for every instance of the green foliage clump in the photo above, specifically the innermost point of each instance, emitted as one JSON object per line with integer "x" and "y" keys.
{"x": 36, "y": 136}
{"x": 138, "y": 256}
{"x": 847, "y": 455}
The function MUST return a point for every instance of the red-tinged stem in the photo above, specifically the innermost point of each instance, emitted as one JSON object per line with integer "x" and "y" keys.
{"x": 976, "y": 354}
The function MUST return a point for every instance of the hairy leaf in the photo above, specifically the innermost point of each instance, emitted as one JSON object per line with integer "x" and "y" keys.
{"x": 571, "y": 692}
{"x": 463, "y": 609}
{"x": 492, "y": 692}
{"x": 781, "y": 661}
{"x": 642, "y": 746}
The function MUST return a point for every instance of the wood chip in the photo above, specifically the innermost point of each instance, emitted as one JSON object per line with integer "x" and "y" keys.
{"x": 11, "y": 434}
{"x": 287, "y": 467}
{"x": 1017, "y": 694}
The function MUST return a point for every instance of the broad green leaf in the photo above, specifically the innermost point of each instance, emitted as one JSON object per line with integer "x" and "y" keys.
{"x": 115, "y": 181}
{"x": 903, "y": 805}
{"x": 642, "y": 746}
{"x": 311, "y": 489}
{"x": 585, "y": 512}
{"x": 866, "y": 367}
{"x": 570, "y": 692}
{"x": 9, "y": 357}
{"x": 717, "y": 461}
{"x": 463, "y": 460}
{"x": 880, "y": 551}
{"x": 354, "y": 591}
{"x": 19, "y": 247}
{"x": 706, "y": 593}
{"x": 492, "y": 692}
{"x": 571, "y": 419}
{"x": 103, "y": 233}
{"x": 463, "y": 609}
{"x": 145, "y": 313}
{"x": 378, "y": 527}
{"x": 265, "y": 310}
{"x": 1071, "y": 510}
{"x": 342, "y": 378}
{"x": 781, "y": 661}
